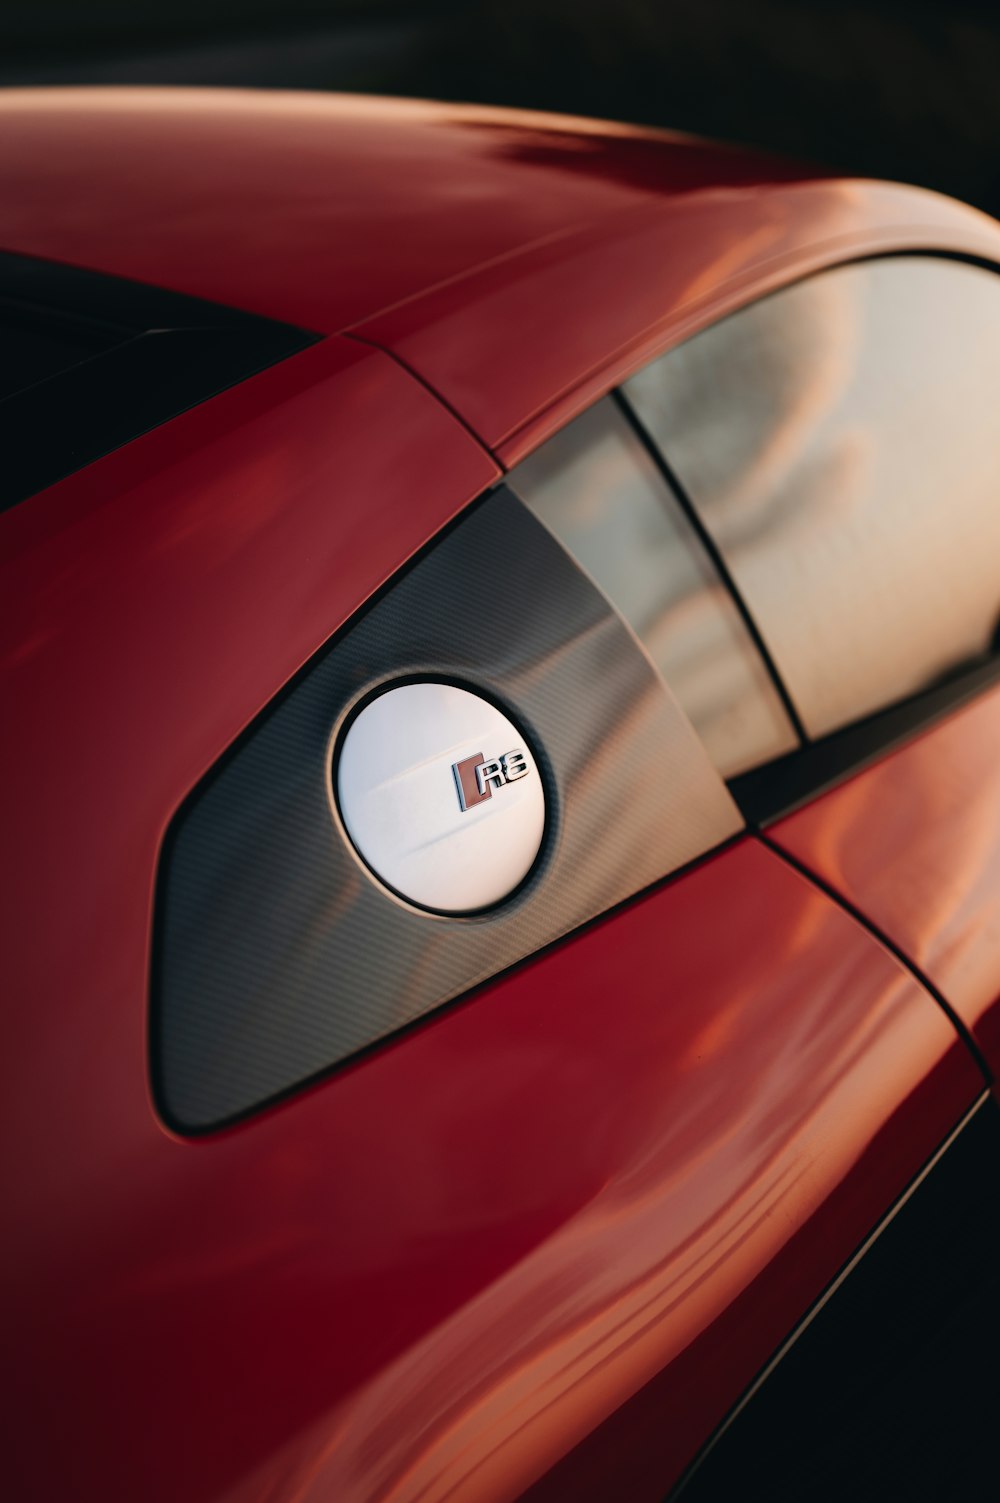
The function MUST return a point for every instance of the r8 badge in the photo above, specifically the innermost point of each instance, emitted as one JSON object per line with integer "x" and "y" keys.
{"x": 476, "y": 777}
{"x": 417, "y": 781}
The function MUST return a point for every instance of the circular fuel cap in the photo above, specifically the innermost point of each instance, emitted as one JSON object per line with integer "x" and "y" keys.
{"x": 441, "y": 796}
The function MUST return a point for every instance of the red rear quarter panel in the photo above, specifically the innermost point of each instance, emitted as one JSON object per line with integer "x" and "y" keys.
{"x": 435, "y": 1273}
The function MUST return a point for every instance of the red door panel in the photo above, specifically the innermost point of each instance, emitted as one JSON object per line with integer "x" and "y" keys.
{"x": 433, "y": 1274}
{"x": 914, "y": 842}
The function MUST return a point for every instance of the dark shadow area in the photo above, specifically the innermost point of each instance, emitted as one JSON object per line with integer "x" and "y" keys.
{"x": 885, "y": 88}
{"x": 884, "y": 1394}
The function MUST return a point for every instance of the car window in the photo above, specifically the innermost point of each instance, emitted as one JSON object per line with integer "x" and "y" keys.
{"x": 840, "y": 442}
{"x": 34, "y": 347}
{"x": 89, "y": 362}
{"x": 597, "y": 489}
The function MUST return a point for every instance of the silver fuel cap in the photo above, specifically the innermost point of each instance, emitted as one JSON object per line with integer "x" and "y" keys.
{"x": 440, "y": 796}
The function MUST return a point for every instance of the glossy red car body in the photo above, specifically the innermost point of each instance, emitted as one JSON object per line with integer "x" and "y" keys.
{"x": 629, "y": 1167}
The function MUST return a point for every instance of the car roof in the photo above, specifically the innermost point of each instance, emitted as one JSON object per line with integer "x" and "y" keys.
{"x": 518, "y": 263}
{"x": 320, "y": 210}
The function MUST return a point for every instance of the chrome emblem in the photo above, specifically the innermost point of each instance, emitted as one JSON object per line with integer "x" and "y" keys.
{"x": 475, "y": 778}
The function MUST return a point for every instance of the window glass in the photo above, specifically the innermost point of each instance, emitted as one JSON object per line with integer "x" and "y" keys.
{"x": 32, "y": 348}
{"x": 596, "y": 488}
{"x": 841, "y": 441}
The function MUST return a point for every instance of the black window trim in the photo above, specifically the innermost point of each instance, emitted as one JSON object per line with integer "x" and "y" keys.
{"x": 768, "y": 793}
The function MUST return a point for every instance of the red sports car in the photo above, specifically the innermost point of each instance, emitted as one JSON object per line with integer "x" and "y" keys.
{"x": 501, "y": 834}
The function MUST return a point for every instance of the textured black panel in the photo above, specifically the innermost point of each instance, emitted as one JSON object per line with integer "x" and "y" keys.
{"x": 891, "y": 1390}
{"x": 278, "y": 956}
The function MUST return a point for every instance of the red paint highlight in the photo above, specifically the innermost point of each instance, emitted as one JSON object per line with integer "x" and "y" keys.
{"x": 470, "y": 792}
